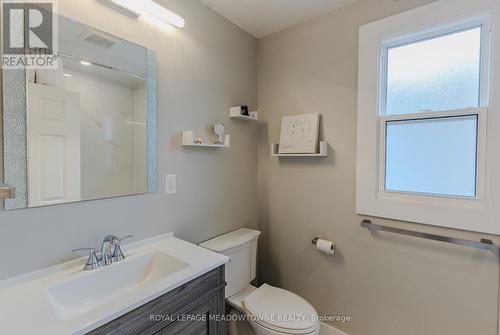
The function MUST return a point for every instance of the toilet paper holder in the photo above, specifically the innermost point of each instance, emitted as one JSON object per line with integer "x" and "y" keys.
{"x": 315, "y": 241}
{"x": 328, "y": 247}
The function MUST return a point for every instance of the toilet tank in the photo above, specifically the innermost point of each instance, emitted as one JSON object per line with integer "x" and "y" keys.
{"x": 241, "y": 247}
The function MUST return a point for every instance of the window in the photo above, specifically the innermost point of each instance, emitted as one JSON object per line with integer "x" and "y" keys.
{"x": 423, "y": 110}
{"x": 424, "y": 152}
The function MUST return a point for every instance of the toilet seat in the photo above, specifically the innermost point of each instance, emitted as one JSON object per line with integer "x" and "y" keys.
{"x": 259, "y": 329}
{"x": 280, "y": 311}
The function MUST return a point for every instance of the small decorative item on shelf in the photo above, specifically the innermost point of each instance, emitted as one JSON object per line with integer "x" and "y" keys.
{"x": 219, "y": 130}
{"x": 244, "y": 110}
{"x": 243, "y": 113}
{"x": 198, "y": 140}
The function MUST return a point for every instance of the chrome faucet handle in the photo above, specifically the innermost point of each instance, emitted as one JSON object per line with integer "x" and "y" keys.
{"x": 92, "y": 261}
{"x": 124, "y": 238}
{"x": 117, "y": 252}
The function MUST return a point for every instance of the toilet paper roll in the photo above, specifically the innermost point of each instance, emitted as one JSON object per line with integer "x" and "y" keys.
{"x": 328, "y": 247}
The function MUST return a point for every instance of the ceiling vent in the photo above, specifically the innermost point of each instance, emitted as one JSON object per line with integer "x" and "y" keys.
{"x": 99, "y": 39}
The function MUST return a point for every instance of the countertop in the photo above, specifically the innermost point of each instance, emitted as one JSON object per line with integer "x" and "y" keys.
{"x": 25, "y": 306}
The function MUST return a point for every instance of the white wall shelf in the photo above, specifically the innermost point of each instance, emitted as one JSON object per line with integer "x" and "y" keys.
{"x": 235, "y": 113}
{"x": 188, "y": 141}
{"x": 323, "y": 151}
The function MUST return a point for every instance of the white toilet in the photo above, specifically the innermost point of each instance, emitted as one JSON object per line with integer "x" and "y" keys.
{"x": 267, "y": 310}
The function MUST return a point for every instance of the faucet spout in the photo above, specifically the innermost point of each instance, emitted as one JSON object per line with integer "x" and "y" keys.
{"x": 108, "y": 245}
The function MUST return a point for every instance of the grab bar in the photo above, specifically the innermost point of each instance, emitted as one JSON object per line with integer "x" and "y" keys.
{"x": 483, "y": 244}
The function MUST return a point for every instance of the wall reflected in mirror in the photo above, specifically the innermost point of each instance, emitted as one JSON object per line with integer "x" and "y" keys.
{"x": 87, "y": 121}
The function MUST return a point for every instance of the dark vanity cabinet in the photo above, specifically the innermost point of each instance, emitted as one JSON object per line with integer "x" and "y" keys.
{"x": 194, "y": 308}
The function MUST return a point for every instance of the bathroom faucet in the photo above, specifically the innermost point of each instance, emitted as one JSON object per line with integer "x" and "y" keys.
{"x": 111, "y": 251}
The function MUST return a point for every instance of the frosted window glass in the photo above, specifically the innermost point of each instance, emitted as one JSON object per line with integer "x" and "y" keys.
{"x": 432, "y": 156}
{"x": 437, "y": 74}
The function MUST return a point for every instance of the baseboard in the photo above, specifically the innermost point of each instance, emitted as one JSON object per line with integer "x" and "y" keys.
{"x": 329, "y": 330}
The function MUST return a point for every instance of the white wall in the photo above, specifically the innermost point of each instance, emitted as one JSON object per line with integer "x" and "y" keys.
{"x": 202, "y": 70}
{"x": 388, "y": 284}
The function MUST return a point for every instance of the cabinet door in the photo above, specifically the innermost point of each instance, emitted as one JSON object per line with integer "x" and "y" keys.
{"x": 200, "y": 321}
{"x": 186, "y": 297}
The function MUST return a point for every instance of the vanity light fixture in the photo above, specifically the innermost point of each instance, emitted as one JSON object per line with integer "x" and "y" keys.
{"x": 69, "y": 75}
{"x": 85, "y": 63}
{"x": 147, "y": 9}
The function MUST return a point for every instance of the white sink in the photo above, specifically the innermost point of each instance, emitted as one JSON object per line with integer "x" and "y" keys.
{"x": 90, "y": 289}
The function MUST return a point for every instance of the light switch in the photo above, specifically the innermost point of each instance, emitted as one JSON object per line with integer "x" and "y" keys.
{"x": 171, "y": 184}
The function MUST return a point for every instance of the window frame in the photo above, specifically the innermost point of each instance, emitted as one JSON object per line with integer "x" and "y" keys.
{"x": 441, "y": 18}
{"x": 481, "y": 111}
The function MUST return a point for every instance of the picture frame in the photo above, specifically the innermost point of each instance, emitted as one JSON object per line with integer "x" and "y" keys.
{"x": 299, "y": 134}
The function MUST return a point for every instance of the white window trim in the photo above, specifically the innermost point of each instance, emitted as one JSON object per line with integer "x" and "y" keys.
{"x": 481, "y": 213}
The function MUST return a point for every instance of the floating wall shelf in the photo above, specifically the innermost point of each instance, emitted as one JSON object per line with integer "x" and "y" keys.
{"x": 235, "y": 113}
{"x": 323, "y": 151}
{"x": 188, "y": 141}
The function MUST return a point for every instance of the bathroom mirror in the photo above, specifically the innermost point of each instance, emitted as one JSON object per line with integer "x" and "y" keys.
{"x": 86, "y": 130}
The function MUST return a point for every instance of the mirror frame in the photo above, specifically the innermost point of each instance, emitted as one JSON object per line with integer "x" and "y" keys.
{"x": 14, "y": 147}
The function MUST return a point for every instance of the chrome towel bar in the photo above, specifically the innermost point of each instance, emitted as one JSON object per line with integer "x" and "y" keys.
{"x": 483, "y": 244}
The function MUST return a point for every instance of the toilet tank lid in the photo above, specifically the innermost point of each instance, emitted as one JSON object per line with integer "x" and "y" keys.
{"x": 231, "y": 240}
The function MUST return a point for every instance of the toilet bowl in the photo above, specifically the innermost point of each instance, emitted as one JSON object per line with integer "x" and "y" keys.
{"x": 266, "y": 310}
{"x": 273, "y": 311}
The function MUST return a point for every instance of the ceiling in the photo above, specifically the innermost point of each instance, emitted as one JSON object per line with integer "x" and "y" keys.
{"x": 264, "y": 17}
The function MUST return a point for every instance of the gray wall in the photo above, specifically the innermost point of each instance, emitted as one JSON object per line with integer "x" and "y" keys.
{"x": 203, "y": 69}
{"x": 389, "y": 285}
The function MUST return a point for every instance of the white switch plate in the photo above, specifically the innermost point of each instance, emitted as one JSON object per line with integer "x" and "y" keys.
{"x": 171, "y": 184}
